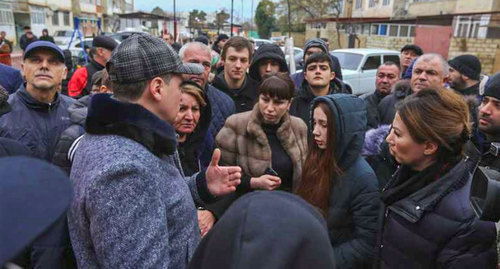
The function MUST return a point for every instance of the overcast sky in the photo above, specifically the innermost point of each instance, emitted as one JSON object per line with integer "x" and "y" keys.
{"x": 205, "y": 5}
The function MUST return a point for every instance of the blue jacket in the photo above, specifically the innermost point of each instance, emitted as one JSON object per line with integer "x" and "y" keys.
{"x": 132, "y": 208}
{"x": 10, "y": 78}
{"x": 352, "y": 217}
{"x": 34, "y": 124}
{"x": 221, "y": 106}
{"x": 435, "y": 227}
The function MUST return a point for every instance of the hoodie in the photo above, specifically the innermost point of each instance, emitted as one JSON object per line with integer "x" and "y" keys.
{"x": 266, "y": 230}
{"x": 352, "y": 216}
{"x": 267, "y": 51}
{"x": 244, "y": 98}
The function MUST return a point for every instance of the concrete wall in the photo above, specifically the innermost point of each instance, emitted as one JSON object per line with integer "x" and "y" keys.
{"x": 377, "y": 11}
{"x": 485, "y": 49}
{"x": 468, "y": 6}
{"x": 385, "y": 42}
{"x": 433, "y": 7}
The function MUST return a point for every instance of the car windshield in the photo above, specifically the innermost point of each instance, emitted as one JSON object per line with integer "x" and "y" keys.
{"x": 347, "y": 60}
{"x": 64, "y": 33}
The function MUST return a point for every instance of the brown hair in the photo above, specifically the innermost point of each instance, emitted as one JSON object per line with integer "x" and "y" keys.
{"x": 194, "y": 90}
{"x": 278, "y": 85}
{"x": 440, "y": 116}
{"x": 320, "y": 168}
{"x": 238, "y": 43}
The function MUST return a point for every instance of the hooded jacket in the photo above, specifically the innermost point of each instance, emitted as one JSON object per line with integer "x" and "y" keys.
{"x": 34, "y": 124}
{"x": 133, "y": 207}
{"x": 77, "y": 115}
{"x": 80, "y": 83}
{"x": 244, "y": 98}
{"x": 10, "y": 78}
{"x": 267, "y": 51}
{"x": 436, "y": 227}
{"x": 352, "y": 216}
{"x": 301, "y": 103}
{"x": 267, "y": 230}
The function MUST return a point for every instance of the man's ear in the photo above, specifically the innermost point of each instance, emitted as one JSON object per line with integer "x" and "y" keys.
{"x": 332, "y": 75}
{"x": 65, "y": 73}
{"x": 155, "y": 88}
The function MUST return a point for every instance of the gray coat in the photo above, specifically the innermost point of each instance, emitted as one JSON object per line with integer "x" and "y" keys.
{"x": 132, "y": 208}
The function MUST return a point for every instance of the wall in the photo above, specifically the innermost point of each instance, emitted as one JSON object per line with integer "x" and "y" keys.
{"x": 468, "y": 6}
{"x": 485, "y": 49}
{"x": 390, "y": 43}
{"x": 433, "y": 7}
{"x": 377, "y": 11}
{"x": 299, "y": 38}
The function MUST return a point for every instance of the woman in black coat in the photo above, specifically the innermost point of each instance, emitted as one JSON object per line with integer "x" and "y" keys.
{"x": 426, "y": 219}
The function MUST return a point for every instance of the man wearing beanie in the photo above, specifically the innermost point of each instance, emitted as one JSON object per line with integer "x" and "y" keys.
{"x": 465, "y": 71}
{"x": 81, "y": 81}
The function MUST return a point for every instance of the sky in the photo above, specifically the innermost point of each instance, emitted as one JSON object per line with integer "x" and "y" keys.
{"x": 205, "y": 5}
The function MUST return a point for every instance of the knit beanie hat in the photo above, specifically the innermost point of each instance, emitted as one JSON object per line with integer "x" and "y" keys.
{"x": 315, "y": 42}
{"x": 468, "y": 65}
{"x": 493, "y": 86}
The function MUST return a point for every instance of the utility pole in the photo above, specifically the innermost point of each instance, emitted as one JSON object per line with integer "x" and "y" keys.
{"x": 251, "y": 17}
{"x": 289, "y": 20}
{"x": 175, "y": 24}
{"x": 232, "y": 3}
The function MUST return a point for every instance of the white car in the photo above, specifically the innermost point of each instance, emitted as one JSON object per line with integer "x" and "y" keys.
{"x": 259, "y": 42}
{"x": 62, "y": 37}
{"x": 76, "y": 47}
{"x": 359, "y": 66}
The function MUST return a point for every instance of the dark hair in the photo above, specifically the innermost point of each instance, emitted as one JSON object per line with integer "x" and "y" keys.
{"x": 389, "y": 63}
{"x": 238, "y": 43}
{"x": 106, "y": 81}
{"x": 440, "y": 116}
{"x": 320, "y": 169}
{"x": 278, "y": 85}
{"x": 319, "y": 57}
{"x": 414, "y": 48}
{"x": 134, "y": 91}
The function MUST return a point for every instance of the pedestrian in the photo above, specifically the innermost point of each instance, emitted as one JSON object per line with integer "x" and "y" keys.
{"x": 5, "y": 49}
{"x": 80, "y": 83}
{"x": 319, "y": 81}
{"x": 266, "y": 142}
{"x": 220, "y": 105}
{"x": 315, "y": 45}
{"x": 3, "y": 38}
{"x": 339, "y": 182}
{"x": 409, "y": 53}
{"x": 10, "y": 78}
{"x": 234, "y": 81}
{"x": 27, "y": 38}
{"x": 33, "y": 196}
{"x": 267, "y": 230}
{"x": 219, "y": 43}
{"x": 39, "y": 113}
{"x": 46, "y": 37}
{"x": 9, "y": 147}
{"x": 133, "y": 207}
{"x": 387, "y": 75}
{"x": 268, "y": 59}
{"x": 69, "y": 139}
{"x": 430, "y": 71}
{"x": 426, "y": 217}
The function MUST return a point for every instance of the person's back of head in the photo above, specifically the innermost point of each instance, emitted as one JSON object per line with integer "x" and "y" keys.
{"x": 267, "y": 230}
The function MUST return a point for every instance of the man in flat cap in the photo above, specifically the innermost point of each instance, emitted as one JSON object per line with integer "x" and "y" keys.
{"x": 81, "y": 81}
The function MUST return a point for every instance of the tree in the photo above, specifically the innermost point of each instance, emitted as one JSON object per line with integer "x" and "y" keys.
{"x": 196, "y": 19}
{"x": 158, "y": 11}
{"x": 221, "y": 18}
{"x": 264, "y": 18}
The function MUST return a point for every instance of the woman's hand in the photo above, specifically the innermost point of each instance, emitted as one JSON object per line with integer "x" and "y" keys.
{"x": 265, "y": 182}
{"x": 206, "y": 221}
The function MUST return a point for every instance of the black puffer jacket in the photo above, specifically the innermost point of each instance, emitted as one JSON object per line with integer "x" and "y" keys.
{"x": 387, "y": 107}
{"x": 267, "y": 51}
{"x": 435, "y": 227}
{"x": 352, "y": 216}
{"x": 77, "y": 114}
{"x": 244, "y": 98}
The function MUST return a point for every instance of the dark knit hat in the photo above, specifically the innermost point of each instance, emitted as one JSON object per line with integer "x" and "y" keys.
{"x": 104, "y": 42}
{"x": 493, "y": 86}
{"x": 468, "y": 65}
{"x": 315, "y": 42}
{"x": 415, "y": 49}
{"x": 221, "y": 37}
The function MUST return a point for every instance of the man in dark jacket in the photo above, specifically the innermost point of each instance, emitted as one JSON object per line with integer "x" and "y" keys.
{"x": 27, "y": 38}
{"x": 234, "y": 81}
{"x": 409, "y": 53}
{"x": 315, "y": 45}
{"x": 9, "y": 147}
{"x": 10, "y": 78}
{"x": 387, "y": 75}
{"x": 46, "y": 37}
{"x": 319, "y": 81}
{"x": 39, "y": 115}
{"x": 269, "y": 58}
{"x": 80, "y": 83}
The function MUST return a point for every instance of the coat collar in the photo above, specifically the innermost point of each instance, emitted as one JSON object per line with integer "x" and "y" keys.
{"x": 108, "y": 116}
{"x": 34, "y": 104}
{"x": 283, "y": 133}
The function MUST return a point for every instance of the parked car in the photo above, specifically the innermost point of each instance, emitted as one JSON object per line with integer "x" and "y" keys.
{"x": 62, "y": 37}
{"x": 279, "y": 40}
{"x": 296, "y": 51}
{"x": 359, "y": 66}
{"x": 259, "y": 42}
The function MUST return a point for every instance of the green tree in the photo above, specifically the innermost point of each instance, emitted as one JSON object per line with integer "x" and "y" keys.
{"x": 197, "y": 18}
{"x": 221, "y": 18}
{"x": 264, "y": 18}
{"x": 158, "y": 11}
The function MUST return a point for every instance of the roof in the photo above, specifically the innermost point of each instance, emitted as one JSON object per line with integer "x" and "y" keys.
{"x": 145, "y": 15}
{"x": 366, "y": 51}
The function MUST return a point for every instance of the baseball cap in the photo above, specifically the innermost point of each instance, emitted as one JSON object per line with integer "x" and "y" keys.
{"x": 44, "y": 45}
{"x": 143, "y": 56}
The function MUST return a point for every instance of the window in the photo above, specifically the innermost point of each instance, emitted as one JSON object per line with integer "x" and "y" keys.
{"x": 348, "y": 60}
{"x": 372, "y": 62}
{"x": 403, "y": 30}
{"x": 386, "y": 2}
{"x": 393, "y": 30}
{"x": 66, "y": 18}
{"x": 471, "y": 26}
{"x": 391, "y": 58}
{"x": 372, "y": 3}
{"x": 37, "y": 15}
{"x": 359, "y": 4}
{"x": 6, "y": 16}
{"x": 55, "y": 18}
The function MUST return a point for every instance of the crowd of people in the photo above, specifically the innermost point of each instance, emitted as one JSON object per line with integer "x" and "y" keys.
{"x": 200, "y": 156}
